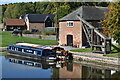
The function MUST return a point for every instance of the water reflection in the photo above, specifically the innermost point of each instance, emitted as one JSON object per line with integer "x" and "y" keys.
{"x": 44, "y": 64}
{"x": 54, "y": 69}
{"x": 72, "y": 70}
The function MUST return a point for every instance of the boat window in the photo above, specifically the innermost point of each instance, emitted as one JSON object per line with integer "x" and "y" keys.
{"x": 28, "y": 51}
{"x": 12, "y": 48}
{"x": 47, "y": 52}
{"x": 20, "y": 62}
{"x": 38, "y": 65}
{"x": 22, "y": 50}
{"x": 16, "y": 49}
{"x": 35, "y": 52}
{"x": 29, "y": 63}
{"x": 19, "y": 49}
{"x": 39, "y": 53}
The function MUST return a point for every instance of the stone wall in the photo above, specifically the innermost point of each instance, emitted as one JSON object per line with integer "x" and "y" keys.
{"x": 49, "y": 37}
{"x": 92, "y": 57}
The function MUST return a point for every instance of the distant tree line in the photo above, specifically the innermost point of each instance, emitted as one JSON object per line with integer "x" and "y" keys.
{"x": 60, "y": 9}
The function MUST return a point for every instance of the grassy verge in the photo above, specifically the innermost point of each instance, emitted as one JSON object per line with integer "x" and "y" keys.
{"x": 8, "y": 39}
{"x": 117, "y": 55}
{"x": 114, "y": 54}
{"x": 82, "y": 50}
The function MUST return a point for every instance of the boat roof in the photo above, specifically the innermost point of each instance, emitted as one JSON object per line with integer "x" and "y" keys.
{"x": 34, "y": 45}
{"x": 26, "y": 47}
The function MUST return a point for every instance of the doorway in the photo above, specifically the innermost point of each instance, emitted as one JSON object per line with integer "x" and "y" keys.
{"x": 69, "y": 40}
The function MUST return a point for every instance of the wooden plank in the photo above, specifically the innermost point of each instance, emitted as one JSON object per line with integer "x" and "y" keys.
{"x": 86, "y": 34}
{"x": 98, "y": 46}
{"x": 92, "y": 27}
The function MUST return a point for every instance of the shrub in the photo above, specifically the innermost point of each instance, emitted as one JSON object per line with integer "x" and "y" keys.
{"x": 26, "y": 32}
{"x": 49, "y": 33}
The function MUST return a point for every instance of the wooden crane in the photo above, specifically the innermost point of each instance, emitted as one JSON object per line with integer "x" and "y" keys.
{"x": 97, "y": 40}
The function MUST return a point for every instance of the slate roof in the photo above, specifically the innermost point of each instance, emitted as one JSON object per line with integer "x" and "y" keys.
{"x": 87, "y": 13}
{"x": 14, "y": 22}
{"x": 39, "y": 17}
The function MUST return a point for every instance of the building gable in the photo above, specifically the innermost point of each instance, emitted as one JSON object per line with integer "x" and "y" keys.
{"x": 39, "y": 18}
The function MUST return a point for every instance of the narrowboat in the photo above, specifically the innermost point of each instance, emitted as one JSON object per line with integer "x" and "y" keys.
{"x": 35, "y": 51}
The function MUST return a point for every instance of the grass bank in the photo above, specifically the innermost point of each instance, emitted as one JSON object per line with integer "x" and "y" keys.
{"x": 117, "y": 55}
{"x": 8, "y": 39}
{"x": 113, "y": 54}
{"x": 82, "y": 50}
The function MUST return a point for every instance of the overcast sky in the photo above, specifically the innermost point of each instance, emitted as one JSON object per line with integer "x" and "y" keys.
{"x": 17, "y": 1}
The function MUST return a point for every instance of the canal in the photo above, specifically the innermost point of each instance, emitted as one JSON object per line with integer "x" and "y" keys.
{"x": 18, "y": 67}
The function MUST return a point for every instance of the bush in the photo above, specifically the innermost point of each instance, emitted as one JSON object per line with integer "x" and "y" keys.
{"x": 26, "y": 32}
{"x": 49, "y": 33}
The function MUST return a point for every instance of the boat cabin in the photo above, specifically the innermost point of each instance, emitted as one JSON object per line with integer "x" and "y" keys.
{"x": 30, "y": 50}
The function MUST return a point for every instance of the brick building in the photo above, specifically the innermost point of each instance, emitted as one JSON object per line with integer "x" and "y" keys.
{"x": 37, "y": 22}
{"x": 11, "y": 24}
{"x": 70, "y": 27}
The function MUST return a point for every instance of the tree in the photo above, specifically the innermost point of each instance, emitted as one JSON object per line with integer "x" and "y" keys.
{"x": 111, "y": 25}
{"x": 8, "y": 11}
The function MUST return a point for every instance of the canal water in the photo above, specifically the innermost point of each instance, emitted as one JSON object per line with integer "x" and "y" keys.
{"x": 18, "y": 67}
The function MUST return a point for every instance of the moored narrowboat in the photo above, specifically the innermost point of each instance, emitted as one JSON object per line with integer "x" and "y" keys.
{"x": 35, "y": 51}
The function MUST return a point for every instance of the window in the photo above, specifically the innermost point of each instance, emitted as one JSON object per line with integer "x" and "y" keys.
{"x": 35, "y": 30}
{"x": 39, "y": 53}
{"x": 69, "y": 23}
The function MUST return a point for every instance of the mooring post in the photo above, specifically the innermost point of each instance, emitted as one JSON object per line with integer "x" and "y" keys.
{"x": 92, "y": 38}
{"x": 107, "y": 46}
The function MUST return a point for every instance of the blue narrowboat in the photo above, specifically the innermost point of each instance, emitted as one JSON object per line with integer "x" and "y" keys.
{"x": 34, "y": 51}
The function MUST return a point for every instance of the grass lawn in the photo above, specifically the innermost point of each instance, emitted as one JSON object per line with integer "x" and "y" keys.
{"x": 117, "y": 55}
{"x": 82, "y": 50}
{"x": 114, "y": 54}
{"x": 8, "y": 39}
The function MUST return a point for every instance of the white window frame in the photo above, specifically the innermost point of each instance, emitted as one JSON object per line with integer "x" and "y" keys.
{"x": 68, "y": 23}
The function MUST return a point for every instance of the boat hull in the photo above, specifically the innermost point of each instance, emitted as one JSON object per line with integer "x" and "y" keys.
{"x": 29, "y": 56}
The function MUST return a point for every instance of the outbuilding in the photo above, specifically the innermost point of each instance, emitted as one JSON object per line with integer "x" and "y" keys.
{"x": 38, "y": 22}
{"x": 12, "y": 24}
{"x": 71, "y": 28}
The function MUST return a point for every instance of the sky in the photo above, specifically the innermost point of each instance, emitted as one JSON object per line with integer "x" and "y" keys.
{"x": 17, "y": 1}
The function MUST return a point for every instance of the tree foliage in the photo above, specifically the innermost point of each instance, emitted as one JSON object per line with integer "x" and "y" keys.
{"x": 111, "y": 25}
{"x": 62, "y": 8}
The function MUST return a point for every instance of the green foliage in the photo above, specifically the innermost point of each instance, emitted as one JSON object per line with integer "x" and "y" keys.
{"x": 49, "y": 33}
{"x": 26, "y": 32}
{"x": 117, "y": 55}
{"x": 111, "y": 25}
{"x": 60, "y": 9}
